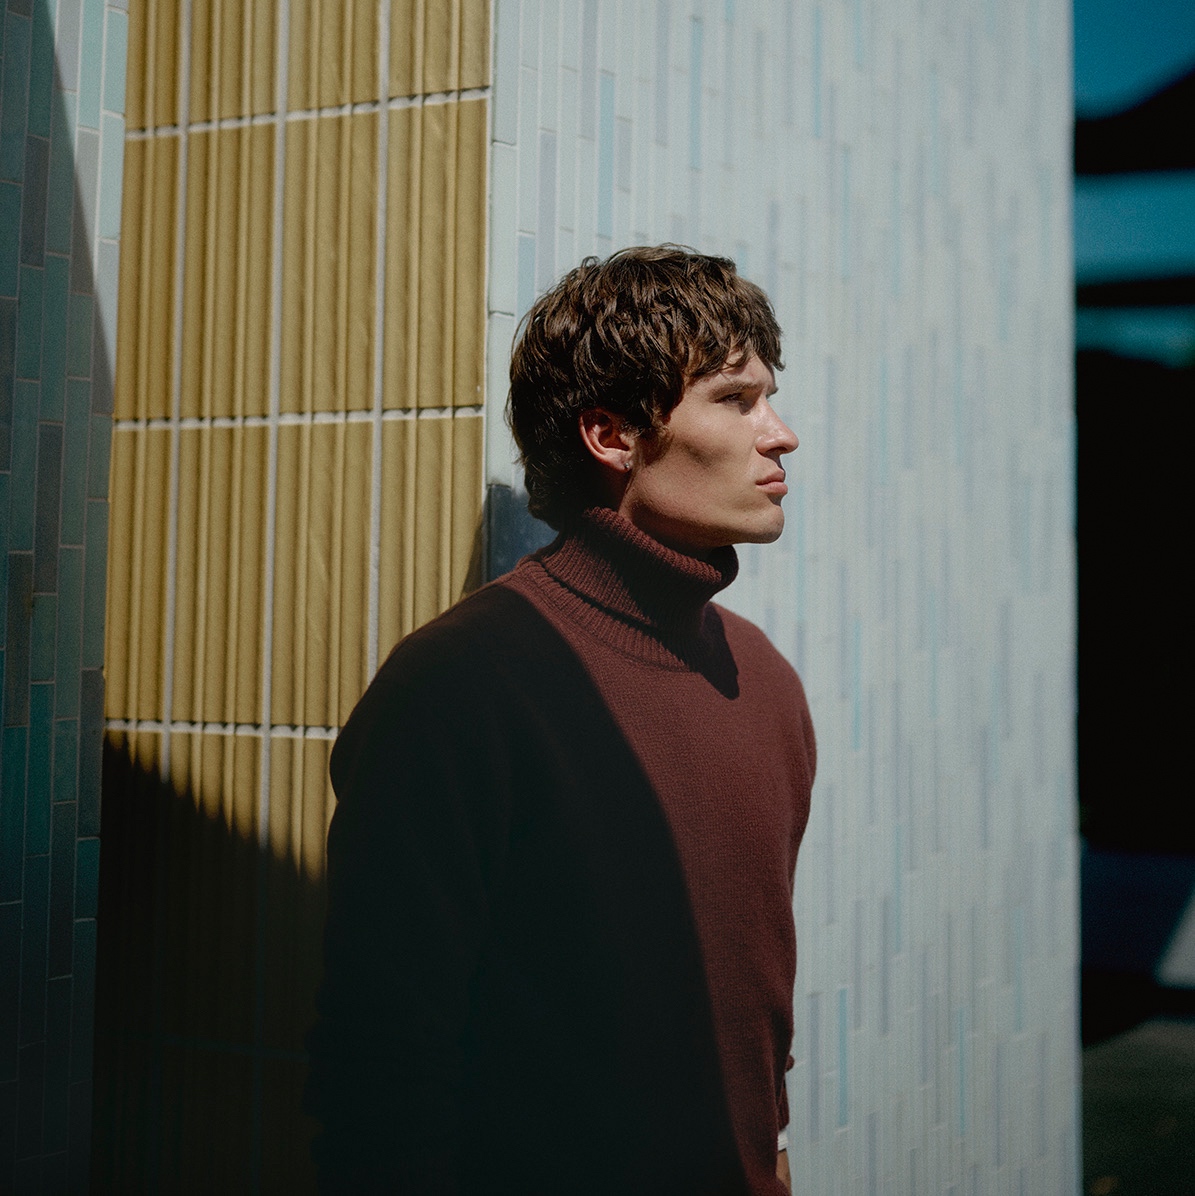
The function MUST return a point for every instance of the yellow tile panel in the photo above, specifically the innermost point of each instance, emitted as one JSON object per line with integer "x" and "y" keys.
{"x": 435, "y": 248}
{"x": 430, "y": 518}
{"x": 137, "y": 545}
{"x": 301, "y": 802}
{"x": 145, "y": 326}
{"x": 152, "y": 72}
{"x": 219, "y": 615}
{"x": 232, "y": 58}
{"x": 221, "y": 776}
{"x": 227, "y": 273}
{"x": 438, "y": 45}
{"x": 329, "y": 249}
{"x": 321, "y": 573}
{"x": 333, "y": 53}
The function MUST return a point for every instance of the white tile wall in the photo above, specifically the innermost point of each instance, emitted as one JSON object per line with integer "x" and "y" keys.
{"x": 896, "y": 175}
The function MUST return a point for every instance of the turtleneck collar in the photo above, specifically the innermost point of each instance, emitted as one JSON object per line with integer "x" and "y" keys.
{"x": 620, "y": 571}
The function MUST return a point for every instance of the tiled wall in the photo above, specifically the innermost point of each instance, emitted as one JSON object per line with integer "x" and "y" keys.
{"x": 61, "y": 131}
{"x": 296, "y": 482}
{"x": 896, "y": 175}
{"x": 60, "y": 153}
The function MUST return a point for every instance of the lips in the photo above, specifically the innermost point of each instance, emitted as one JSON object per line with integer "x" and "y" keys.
{"x": 774, "y": 484}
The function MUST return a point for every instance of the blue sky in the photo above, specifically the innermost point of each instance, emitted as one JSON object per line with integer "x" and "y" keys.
{"x": 1133, "y": 225}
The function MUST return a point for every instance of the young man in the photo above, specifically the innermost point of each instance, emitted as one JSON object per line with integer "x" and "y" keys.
{"x": 560, "y": 951}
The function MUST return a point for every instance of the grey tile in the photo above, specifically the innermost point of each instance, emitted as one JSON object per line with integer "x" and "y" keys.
{"x": 87, "y": 877}
{"x": 60, "y": 198}
{"x": 49, "y": 505}
{"x": 13, "y": 749}
{"x": 66, "y": 760}
{"x": 41, "y": 72}
{"x": 17, "y": 631}
{"x": 87, "y": 165}
{"x": 10, "y": 247}
{"x": 55, "y": 304}
{"x": 56, "y": 1133}
{"x": 91, "y": 733}
{"x": 10, "y": 989}
{"x": 23, "y": 467}
{"x": 33, "y": 207}
{"x": 95, "y": 565}
{"x": 35, "y": 925}
{"x": 70, "y": 632}
{"x": 43, "y": 637}
{"x": 14, "y": 99}
{"x": 37, "y": 779}
{"x": 8, "y": 376}
{"x": 29, "y": 322}
{"x": 67, "y": 47}
{"x": 83, "y": 1012}
{"x": 62, "y": 890}
{"x": 99, "y": 456}
{"x": 75, "y": 450}
{"x": 30, "y": 1100}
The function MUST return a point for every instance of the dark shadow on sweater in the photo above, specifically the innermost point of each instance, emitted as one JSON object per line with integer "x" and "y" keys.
{"x": 512, "y": 812}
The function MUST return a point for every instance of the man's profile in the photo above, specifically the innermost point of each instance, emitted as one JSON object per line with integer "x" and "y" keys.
{"x": 559, "y": 953}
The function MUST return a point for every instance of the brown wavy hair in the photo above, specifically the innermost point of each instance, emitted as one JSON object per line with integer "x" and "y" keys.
{"x": 625, "y": 334}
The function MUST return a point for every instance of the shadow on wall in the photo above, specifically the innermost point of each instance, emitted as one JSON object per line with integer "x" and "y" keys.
{"x": 209, "y": 957}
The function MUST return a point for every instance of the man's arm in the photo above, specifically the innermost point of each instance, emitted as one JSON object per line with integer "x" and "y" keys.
{"x": 782, "y": 1170}
{"x": 410, "y": 861}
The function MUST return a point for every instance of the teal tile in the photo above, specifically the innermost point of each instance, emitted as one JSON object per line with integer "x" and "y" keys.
{"x": 111, "y": 175}
{"x": 87, "y": 877}
{"x": 42, "y": 637}
{"x": 95, "y": 564}
{"x": 77, "y": 430}
{"x": 10, "y": 217}
{"x": 41, "y": 73}
{"x": 12, "y": 811}
{"x": 55, "y": 301}
{"x": 99, "y": 456}
{"x": 38, "y": 781}
{"x": 23, "y": 467}
{"x": 14, "y": 96}
{"x": 29, "y": 322}
{"x": 91, "y": 63}
{"x": 3, "y": 549}
{"x": 60, "y": 197}
{"x": 70, "y": 632}
{"x": 33, "y": 201}
{"x": 66, "y": 759}
{"x": 8, "y": 354}
{"x": 117, "y": 40}
{"x": 78, "y": 336}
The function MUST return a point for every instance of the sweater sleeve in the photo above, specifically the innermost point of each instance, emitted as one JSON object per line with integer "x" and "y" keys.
{"x": 412, "y": 850}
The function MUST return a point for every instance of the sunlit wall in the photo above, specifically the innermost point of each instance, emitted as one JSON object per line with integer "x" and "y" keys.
{"x": 296, "y": 482}
{"x": 896, "y": 175}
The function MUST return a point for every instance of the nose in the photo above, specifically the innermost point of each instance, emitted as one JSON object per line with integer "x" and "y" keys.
{"x": 777, "y": 437}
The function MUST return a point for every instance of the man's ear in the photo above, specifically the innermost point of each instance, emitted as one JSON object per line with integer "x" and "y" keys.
{"x": 607, "y": 438}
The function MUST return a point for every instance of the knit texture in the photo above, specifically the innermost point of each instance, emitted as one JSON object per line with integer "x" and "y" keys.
{"x": 560, "y": 951}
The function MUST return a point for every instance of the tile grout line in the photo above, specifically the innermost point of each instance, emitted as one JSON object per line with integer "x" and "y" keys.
{"x": 297, "y": 419}
{"x": 332, "y": 110}
{"x": 264, "y": 731}
{"x": 273, "y": 422}
{"x": 379, "y": 323}
{"x": 176, "y": 375}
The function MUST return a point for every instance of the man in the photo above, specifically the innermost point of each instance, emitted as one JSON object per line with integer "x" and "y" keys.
{"x": 560, "y": 951}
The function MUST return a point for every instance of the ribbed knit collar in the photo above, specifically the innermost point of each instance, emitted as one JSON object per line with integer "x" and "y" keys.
{"x": 632, "y": 586}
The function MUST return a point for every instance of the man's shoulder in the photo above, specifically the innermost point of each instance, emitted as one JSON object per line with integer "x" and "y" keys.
{"x": 474, "y": 634}
{"x": 751, "y": 646}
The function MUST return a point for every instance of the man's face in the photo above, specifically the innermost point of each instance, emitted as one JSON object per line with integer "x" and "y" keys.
{"x": 714, "y": 475}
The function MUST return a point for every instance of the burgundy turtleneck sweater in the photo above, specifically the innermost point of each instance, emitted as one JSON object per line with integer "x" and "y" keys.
{"x": 560, "y": 951}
